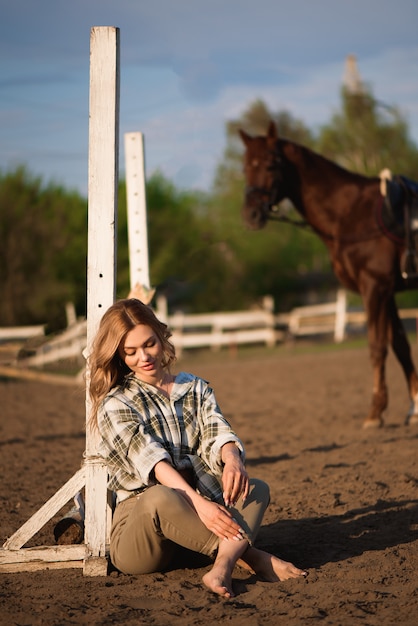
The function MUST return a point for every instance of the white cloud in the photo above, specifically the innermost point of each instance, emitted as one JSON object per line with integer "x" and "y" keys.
{"x": 187, "y": 143}
{"x": 186, "y": 68}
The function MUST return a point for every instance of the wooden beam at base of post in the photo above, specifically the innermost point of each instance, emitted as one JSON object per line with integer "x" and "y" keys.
{"x": 46, "y": 512}
{"x": 96, "y": 566}
{"x": 46, "y": 557}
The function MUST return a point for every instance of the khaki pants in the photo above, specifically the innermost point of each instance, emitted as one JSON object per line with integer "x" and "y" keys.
{"x": 147, "y": 529}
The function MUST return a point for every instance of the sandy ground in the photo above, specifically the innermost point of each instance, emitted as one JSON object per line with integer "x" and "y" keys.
{"x": 344, "y": 500}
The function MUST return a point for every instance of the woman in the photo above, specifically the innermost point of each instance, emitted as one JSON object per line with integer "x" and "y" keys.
{"x": 174, "y": 462}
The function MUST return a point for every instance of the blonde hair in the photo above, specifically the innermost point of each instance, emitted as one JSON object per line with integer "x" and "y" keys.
{"x": 106, "y": 368}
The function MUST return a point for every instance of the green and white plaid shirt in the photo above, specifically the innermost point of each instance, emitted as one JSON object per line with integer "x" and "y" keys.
{"x": 140, "y": 427}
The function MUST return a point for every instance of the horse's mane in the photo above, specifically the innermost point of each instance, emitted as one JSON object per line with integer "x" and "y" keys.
{"x": 293, "y": 152}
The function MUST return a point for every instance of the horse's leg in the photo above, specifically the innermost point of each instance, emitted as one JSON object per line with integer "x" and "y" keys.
{"x": 402, "y": 350}
{"x": 375, "y": 302}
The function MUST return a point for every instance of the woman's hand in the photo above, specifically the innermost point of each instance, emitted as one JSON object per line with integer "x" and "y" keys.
{"x": 217, "y": 519}
{"x": 234, "y": 476}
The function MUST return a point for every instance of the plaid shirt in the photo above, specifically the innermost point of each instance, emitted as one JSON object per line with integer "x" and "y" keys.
{"x": 140, "y": 426}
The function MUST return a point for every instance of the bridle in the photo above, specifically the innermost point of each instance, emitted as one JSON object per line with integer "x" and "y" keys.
{"x": 271, "y": 207}
{"x": 276, "y": 214}
{"x": 272, "y": 211}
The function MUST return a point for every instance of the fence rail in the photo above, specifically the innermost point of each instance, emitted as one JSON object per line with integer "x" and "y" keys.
{"x": 17, "y": 333}
{"x": 212, "y": 330}
{"x": 228, "y": 328}
{"x": 316, "y": 319}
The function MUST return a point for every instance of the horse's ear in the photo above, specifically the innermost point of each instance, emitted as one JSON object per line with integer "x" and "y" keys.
{"x": 244, "y": 136}
{"x": 272, "y": 131}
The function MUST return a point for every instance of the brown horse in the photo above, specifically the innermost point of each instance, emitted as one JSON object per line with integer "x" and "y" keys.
{"x": 342, "y": 208}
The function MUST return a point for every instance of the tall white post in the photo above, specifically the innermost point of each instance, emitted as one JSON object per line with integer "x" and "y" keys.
{"x": 101, "y": 288}
{"x": 101, "y": 259}
{"x": 137, "y": 210}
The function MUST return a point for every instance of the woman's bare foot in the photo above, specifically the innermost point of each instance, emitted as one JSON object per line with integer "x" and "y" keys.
{"x": 269, "y": 567}
{"x": 219, "y": 579}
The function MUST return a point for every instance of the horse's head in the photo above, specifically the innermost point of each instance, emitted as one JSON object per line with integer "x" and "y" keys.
{"x": 262, "y": 171}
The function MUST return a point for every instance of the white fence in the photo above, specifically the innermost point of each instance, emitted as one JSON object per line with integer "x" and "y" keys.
{"x": 213, "y": 330}
{"x": 67, "y": 345}
{"x": 222, "y": 329}
{"x": 227, "y": 328}
{"x": 316, "y": 319}
{"x": 17, "y": 333}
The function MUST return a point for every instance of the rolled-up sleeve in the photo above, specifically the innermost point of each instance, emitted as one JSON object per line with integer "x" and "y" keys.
{"x": 216, "y": 431}
{"x": 131, "y": 449}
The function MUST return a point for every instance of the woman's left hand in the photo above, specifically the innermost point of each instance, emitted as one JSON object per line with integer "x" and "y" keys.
{"x": 234, "y": 477}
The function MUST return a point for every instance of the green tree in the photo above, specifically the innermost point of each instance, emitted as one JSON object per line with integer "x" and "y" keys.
{"x": 282, "y": 260}
{"x": 255, "y": 121}
{"x": 366, "y": 136}
{"x": 202, "y": 257}
{"x": 275, "y": 260}
{"x": 184, "y": 255}
{"x": 42, "y": 250}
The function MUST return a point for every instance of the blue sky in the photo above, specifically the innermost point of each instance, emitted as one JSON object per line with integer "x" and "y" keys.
{"x": 187, "y": 67}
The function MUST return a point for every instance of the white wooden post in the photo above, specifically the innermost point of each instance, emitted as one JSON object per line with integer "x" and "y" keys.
{"x": 137, "y": 211}
{"x": 101, "y": 260}
{"x": 101, "y": 272}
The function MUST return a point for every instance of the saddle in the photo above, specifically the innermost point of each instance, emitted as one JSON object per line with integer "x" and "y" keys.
{"x": 398, "y": 218}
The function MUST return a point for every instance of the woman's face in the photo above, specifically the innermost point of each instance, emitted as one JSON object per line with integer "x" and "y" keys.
{"x": 143, "y": 353}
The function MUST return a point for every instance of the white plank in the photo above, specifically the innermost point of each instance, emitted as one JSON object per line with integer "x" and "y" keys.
{"x": 45, "y": 554}
{"x": 136, "y": 209}
{"x": 46, "y": 512}
{"x": 96, "y": 507}
{"x": 46, "y": 557}
{"x": 101, "y": 272}
{"x": 101, "y": 257}
{"x": 217, "y": 339}
{"x": 103, "y": 174}
{"x": 222, "y": 320}
{"x": 21, "y": 332}
{"x": 36, "y": 566}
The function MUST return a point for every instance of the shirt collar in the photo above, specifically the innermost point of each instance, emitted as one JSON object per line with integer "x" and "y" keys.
{"x": 183, "y": 382}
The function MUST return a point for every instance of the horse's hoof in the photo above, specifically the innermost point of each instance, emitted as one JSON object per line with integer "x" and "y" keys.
{"x": 412, "y": 420}
{"x": 373, "y": 423}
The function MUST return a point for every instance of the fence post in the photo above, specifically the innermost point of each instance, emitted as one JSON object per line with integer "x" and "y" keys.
{"x": 162, "y": 308}
{"x": 268, "y": 306}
